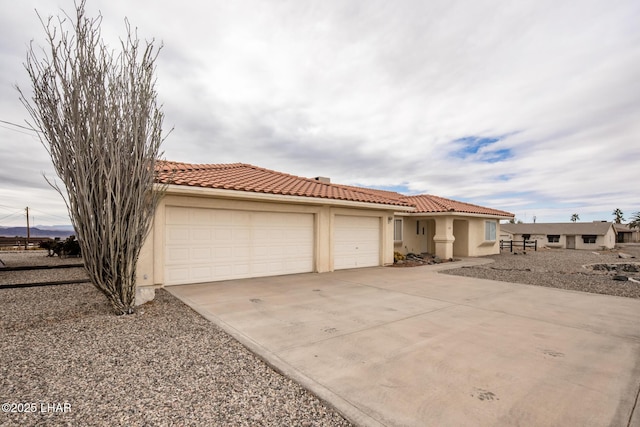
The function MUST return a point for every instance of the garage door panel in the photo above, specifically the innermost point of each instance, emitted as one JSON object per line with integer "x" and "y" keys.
{"x": 240, "y": 270}
{"x": 222, "y": 234}
{"x": 222, "y": 221}
{"x": 241, "y": 234}
{"x": 201, "y": 254}
{"x": 199, "y": 217}
{"x": 240, "y": 218}
{"x": 175, "y": 216}
{"x": 210, "y": 244}
{"x": 177, "y": 275}
{"x": 303, "y": 251}
{"x": 202, "y": 272}
{"x": 356, "y": 242}
{"x": 200, "y": 234}
{"x": 177, "y": 234}
{"x": 267, "y": 252}
{"x": 177, "y": 255}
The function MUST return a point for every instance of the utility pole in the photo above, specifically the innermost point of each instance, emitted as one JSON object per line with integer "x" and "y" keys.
{"x": 26, "y": 243}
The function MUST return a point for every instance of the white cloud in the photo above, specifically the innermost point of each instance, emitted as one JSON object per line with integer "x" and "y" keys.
{"x": 374, "y": 93}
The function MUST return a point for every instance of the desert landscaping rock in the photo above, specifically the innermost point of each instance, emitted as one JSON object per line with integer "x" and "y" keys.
{"x": 560, "y": 268}
{"x": 620, "y": 278}
{"x": 167, "y": 365}
{"x": 164, "y": 365}
{"x": 35, "y": 258}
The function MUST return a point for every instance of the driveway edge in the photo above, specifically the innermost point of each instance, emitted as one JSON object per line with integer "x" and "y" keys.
{"x": 344, "y": 407}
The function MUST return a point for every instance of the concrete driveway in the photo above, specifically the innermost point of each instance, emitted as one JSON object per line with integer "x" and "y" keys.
{"x": 411, "y": 347}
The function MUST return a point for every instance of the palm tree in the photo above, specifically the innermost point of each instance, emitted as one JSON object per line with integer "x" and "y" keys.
{"x": 635, "y": 220}
{"x": 575, "y": 217}
{"x": 618, "y": 214}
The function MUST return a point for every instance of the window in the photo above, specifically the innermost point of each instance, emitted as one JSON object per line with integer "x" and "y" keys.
{"x": 490, "y": 230}
{"x": 589, "y": 238}
{"x": 397, "y": 230}
{"x": 553, "y": 238}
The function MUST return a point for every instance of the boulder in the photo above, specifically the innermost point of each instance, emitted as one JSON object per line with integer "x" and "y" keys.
{"x": 144, "y": 294}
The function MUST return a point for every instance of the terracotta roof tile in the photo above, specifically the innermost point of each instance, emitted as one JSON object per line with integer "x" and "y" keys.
{"x": 245, "y": 177}
{"x": 426, "y": 203}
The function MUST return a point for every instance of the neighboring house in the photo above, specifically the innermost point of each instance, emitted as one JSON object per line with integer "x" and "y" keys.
{"x": 624, "y": 234}
{"x": 231, "y": 221}
{"x": 569, "y": 235}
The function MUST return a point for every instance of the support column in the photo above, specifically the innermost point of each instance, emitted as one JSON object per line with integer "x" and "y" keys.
{"x": 444, "y": 237}
{"x": 324, "y": 240}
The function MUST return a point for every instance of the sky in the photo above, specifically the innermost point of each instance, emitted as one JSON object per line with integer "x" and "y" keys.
{"x": 531, "y": 106}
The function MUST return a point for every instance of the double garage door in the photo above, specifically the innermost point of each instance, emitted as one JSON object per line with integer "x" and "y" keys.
{"x": 203, "y": 245}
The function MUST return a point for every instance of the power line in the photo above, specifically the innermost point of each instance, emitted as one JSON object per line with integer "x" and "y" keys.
{"x": 16, "y": 130}
{"x": 18, "y": 126}
{"x": 41, "y": 213}
{"x": 10, "y": 215}
{"x": 48, "y": 215}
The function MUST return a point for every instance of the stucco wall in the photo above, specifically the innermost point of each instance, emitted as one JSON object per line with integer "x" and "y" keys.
{"x": 469, "y": 233}
{"x": 417, "y": 236}
{"x": 150, "y": 268}
{"x": 478, "y": 246}
{"x": 608, "y": 241}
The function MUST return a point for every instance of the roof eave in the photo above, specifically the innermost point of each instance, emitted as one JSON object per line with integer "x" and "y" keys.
{"x": 454, "y": 213}
{"x": 172, "y": 189}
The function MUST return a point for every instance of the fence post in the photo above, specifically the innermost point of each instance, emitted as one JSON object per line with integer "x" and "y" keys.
{"x": 535, "y": 245}
{"x": 510, "y": 245}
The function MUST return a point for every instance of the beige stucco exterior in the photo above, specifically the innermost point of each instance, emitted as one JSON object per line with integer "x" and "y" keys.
{"x": 150, "y": 269}
{"x": 570, "y": 236}
{"x": 607, "y": 241}
{"x": 447, "y": 235}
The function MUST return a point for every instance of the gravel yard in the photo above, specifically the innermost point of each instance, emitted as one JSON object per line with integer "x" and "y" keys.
{"x": 12, "y": 259}
{"x": 561, "y": 268}
{"x": 164, "y": 365}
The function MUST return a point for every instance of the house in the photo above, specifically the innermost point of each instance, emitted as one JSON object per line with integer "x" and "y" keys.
{"x": 626, "y": 234}
{"x": 570, "y": 235}
{"x": 230, "y": 221}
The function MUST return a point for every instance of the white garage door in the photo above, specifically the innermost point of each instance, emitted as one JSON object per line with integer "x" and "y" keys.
{"x": 204, "y": 245}
{"x": 356, "y": 242}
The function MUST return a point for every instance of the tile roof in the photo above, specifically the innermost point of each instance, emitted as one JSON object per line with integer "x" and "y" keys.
{"x": 595, "y": 228}
{"x": 245, "y": 177}
{"x": 426, "y": 203}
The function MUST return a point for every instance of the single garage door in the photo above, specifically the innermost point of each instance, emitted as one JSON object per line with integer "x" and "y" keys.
{"x": 356, "y": 242}
{"x": 203, "y": 245}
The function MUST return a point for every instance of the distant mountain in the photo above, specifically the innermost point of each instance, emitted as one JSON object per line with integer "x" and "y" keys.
{"x": 35, "y": 232}
{"x": 66, "y": 227}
